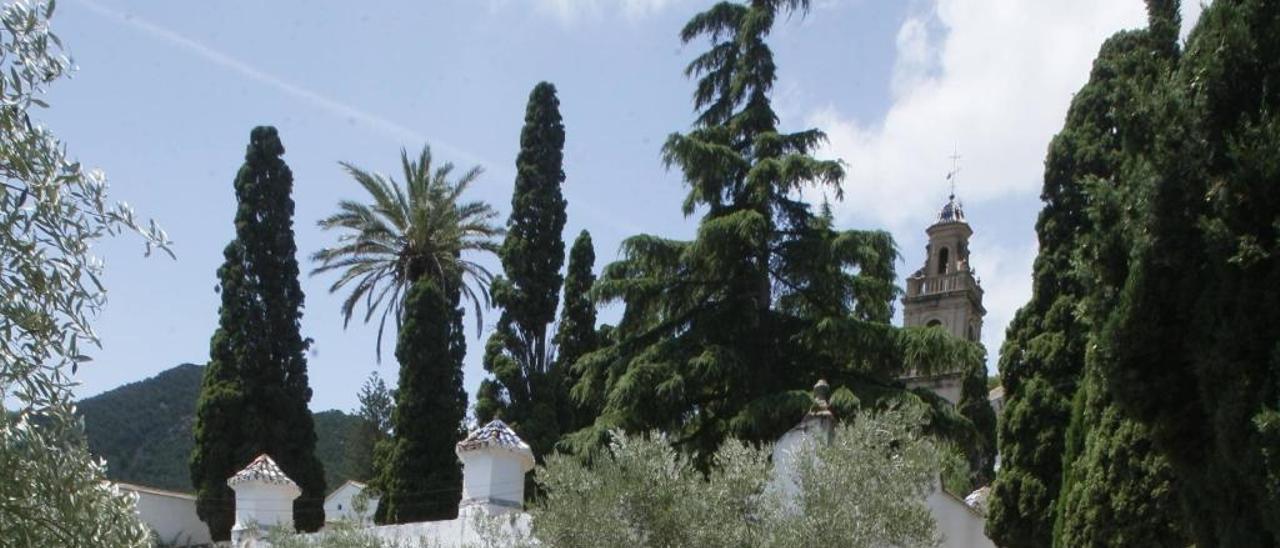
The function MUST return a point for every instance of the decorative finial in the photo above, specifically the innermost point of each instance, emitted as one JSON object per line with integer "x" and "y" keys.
{"x": 821, "y": 397}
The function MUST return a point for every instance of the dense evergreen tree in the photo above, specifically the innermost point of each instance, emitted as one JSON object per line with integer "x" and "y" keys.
{"x": 1192, "y": 336}
{"x": 1180, "y": 387}
{"x": 1117, "y": 490}
{"x": 527, "y": 386}
{"x": 576, "y": 334}
{"x": 723, "y": 335}
{"x": 422, "y": 479}
{"x": 254, "y": 393}
{"x": 1110, "y": 488}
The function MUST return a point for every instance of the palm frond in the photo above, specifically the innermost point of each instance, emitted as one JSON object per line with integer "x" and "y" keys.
{"x": 410, "y": 230}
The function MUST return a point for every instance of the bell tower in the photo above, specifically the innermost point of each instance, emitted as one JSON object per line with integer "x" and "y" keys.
{"x": 945, "y": 292}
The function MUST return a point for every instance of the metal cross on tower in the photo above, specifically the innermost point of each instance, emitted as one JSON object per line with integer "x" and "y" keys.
{"x": 955, "y": 170}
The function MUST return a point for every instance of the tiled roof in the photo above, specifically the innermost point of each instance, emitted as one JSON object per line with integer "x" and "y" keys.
{"x": 978, "y": 499}
{"x": 494, "y": 434}
{"x": 262, "y": 469}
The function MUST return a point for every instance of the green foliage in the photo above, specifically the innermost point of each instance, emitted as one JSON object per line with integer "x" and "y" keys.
{"x": 1190, "y": 338}
{"x": 721, "y": 333}
{"x": 1044, "y": 359}
{"x": 1117, "y": 490}
{"x": 53, "y": 212}
{"x": 143, "y": 429}
{"x": 335, "y": 444}
{"x": 975, "y": 407}
{"x": 866, "y": 488}
{"x": 254, "y": 394}
{"x": 576, "y": 334}
{"x": 528, "y": 387}
{"x": 372, "y": 426}
{"x": 420, "y": 478}
{"x": 1175, "y": 227}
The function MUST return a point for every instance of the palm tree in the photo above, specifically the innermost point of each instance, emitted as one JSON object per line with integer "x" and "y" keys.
{"x": 408, "y": 233}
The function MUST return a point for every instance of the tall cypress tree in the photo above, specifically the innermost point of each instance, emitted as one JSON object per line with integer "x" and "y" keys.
{"x": 255, "y": 391}
{"x": 420, "y": 478}
{"x": 724, "y": 335}
{"x": 527, "y": 386}
{"x": 1192, "y": 336}
{"x": 1117, "y": 489}
{"x": 576, "y": 333}
{"x": 1110, "y": 488}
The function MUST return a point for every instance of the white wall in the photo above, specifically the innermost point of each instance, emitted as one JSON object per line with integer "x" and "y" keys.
{"x": 492, "y": 476}
{"x": 338, "y": 505}
{"x": 960, "y": 525}
{"x": 172, "y": 515}
{"x": 475, "y": 526}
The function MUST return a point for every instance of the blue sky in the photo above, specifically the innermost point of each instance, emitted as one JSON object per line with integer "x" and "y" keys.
{"x": 167, "y": 92}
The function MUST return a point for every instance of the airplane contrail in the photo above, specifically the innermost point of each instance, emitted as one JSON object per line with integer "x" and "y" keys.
{"x": 316, "y": 99}
{"x": 333, "y": 106}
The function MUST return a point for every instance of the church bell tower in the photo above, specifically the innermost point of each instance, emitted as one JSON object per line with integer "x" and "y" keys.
{"x": 945, "y": 293}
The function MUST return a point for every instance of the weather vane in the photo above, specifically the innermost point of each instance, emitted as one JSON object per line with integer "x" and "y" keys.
{"x": 955, "y": 170}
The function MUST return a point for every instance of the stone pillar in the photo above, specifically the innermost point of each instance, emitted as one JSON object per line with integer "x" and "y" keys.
{"x": 264, "y": 499}
{"x": 817, "y": 427}
{"x": 494, "y": 462}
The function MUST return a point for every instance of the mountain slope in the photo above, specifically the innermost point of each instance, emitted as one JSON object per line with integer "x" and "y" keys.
{"x": 143, "y": 430}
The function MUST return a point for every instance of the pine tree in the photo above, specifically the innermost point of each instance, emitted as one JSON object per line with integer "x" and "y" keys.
{"x": 255, "y": 392}
{"x": 374, "y": 426}
{"x": 576, "y": 334}
{"x": 722, "y": 336}
{"x": 528, "y": 389}
{"x": 421, "y": 479}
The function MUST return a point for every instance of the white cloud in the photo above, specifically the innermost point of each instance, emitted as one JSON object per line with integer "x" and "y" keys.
{"x": 993, "y": 79}
{"x": 917, "y": 57}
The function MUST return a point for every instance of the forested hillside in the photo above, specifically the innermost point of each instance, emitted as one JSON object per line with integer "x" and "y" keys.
{"x": 143, "y": 430}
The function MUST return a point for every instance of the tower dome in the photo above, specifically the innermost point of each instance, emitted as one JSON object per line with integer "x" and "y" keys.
{"x": 952, "y": 212}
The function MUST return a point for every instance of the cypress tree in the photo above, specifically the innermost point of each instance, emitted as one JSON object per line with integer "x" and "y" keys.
{"x": 576, "y": 333}
{"x": 723, "y": 335}
{"x": 1117, "y": 489}
{"x": 528, "y": 388}
{"x": 255, "y": 391}
{"x": 1192, "y": 336}
{"x": 420, "y": 478}
{"x": 1110, "y": 487}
